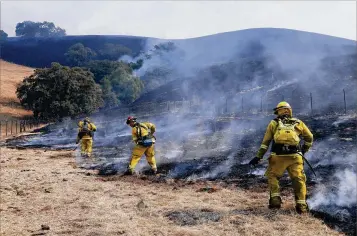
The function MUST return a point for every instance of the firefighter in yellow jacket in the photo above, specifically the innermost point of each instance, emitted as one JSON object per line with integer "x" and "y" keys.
{"x": 143, "y": 137}
{"x": 286, "y": 132}
{"x": 85, "y": 136}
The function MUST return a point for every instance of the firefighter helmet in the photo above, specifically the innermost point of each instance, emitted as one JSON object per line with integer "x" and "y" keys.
{"x": 282, "y": 105}
{"x": 130, "y": 118}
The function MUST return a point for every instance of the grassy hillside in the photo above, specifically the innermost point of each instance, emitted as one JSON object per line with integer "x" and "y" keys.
{"x": 251, "y": 64}
{"x": 41, "y": 52}
{"x": 11, "y": 75}
{"x": 227, "y": 63}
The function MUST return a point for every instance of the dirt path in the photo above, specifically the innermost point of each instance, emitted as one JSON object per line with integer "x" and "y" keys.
{"x": 45, "y": 188}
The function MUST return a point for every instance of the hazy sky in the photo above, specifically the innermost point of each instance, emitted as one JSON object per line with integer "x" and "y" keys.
{"x": 183, "y": 19}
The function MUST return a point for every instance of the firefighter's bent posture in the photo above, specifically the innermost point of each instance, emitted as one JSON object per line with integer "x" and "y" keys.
{"x": 142, "y": 134}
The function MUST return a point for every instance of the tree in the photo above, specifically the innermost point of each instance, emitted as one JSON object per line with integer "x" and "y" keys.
{"x": 3, "y": 35}
{"x": 136, "y": 65}
{"x": 59, "y": 92}
{"x": 38, "y": 29}
{"x": 167, "y": 47}
{"x": 112, "y": 51}
{"x": 126, "y": 87}
{"x": 78, "y": 55}
{"x": 116, "y": 80}
{"x": 102, "y": 68}
{"x": 156, "y": 77}
{"x": 109, "y": 97}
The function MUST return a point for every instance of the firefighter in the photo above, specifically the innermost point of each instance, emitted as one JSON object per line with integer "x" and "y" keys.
{"x": 286, "y": 133}
{"x": 144, "y": 139}
{"x": 85, "y": 136}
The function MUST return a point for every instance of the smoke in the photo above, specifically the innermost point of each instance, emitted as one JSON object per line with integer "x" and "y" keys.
{"x": 285, "y": 64}
{"x": 334, "y": 159}
{"x": 340, "y": 191}
{"x": 235, "y": 79}
{"x": 221, "y": 170}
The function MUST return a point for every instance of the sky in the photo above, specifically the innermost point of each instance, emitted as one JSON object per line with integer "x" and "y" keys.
{"x": 183, "y": 19}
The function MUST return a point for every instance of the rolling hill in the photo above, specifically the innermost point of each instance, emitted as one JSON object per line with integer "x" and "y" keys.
{"x": 280, "y": 63}
{"x": 41, "y": 52}
{"x": 11, "y": 74}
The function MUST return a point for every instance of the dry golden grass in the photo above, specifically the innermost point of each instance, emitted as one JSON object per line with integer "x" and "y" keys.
{"x": 45, "y": 188}
{"x": 10, "y": 76}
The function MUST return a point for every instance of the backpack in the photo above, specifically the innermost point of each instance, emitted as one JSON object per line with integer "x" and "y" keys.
{"x": 85, "y": 130}
{"x": 145, "y": 141}
{"x": 285, "y": 132}
{"x": 85, "y": 127}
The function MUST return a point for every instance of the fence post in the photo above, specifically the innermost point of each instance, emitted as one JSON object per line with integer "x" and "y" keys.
{"x": 344, "y": 99}
{"x": 292, "y": 94}
{"x": 6, "y": 129}
{"x": 226, "y": 104}
{"x": 12, "y": 123}
{"x": 24, "y": 125}
{"x": 311, "y": 102}
{"x": 16, "y": 125}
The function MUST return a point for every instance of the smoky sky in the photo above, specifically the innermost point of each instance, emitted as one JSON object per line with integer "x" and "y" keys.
{"x": 183, "y": 19}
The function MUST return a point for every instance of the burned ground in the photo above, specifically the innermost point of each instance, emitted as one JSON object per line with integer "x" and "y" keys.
{"x": 219, "y": 151}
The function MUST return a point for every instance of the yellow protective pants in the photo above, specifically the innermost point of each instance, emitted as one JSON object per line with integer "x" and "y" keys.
{"x": 295, "y": 167}
{"x": 86, "y": 146}
{"x": 138, "y": 151}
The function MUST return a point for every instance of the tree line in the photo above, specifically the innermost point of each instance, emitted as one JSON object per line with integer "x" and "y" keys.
{"x": 80, "y": 88}
{"x": 36, "y": 29}
{"x": 89, "y": 80}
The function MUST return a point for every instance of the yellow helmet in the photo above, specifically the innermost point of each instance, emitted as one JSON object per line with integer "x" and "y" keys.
{"x": 282, "y": 105}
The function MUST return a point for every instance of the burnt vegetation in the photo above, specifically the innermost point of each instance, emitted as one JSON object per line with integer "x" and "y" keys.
{"x": 214, "y": 138}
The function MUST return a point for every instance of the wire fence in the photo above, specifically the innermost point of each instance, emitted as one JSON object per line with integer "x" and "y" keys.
{"x": 14, "y": 127}
{"x": 247, "y": 104}
{"x": 237, "y": 105}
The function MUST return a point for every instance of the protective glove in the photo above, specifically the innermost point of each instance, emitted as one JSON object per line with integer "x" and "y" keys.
{"x": 255, "y": 161}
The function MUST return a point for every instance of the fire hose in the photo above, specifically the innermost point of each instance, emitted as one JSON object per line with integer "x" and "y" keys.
{"x": 308, "y": 163}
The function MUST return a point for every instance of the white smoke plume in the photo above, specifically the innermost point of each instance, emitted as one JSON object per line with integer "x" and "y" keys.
{"x": 341, "y": 191}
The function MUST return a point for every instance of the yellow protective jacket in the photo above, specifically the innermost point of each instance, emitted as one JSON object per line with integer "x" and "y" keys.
{"x": 145, "y": 128}
{"x": 91, "y": 127}
{"x": 301, "y": 129}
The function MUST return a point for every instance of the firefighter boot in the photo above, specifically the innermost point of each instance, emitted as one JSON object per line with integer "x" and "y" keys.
{"x": 129, "y": 172}
{"x": 275, "y": 202}
{"x": 302, "y": 208}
